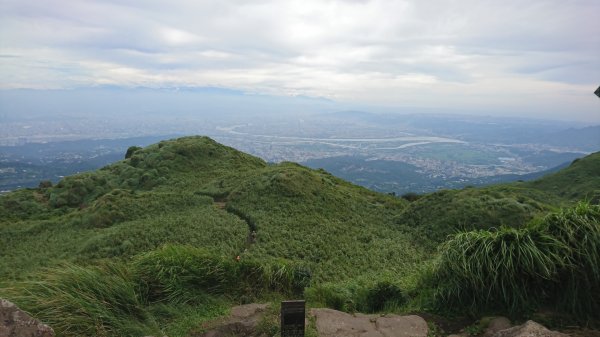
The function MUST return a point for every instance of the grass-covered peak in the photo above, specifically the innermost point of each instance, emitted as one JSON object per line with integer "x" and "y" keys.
{"x": 581, "y": 180}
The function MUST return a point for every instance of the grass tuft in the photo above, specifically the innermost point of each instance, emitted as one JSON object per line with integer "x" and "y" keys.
{"x": 551, "y": 262}
{"x": 80, "y": 301}
{"x": 183, "y": 273}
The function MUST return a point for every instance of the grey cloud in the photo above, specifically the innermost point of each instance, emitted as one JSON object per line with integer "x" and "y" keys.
{"x": 350, "y": 50}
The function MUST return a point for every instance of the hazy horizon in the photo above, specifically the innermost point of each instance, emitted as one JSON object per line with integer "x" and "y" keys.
{"x": 514, "y": 59}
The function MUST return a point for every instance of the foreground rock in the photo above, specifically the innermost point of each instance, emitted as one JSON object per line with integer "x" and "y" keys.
{"x": 333, "y": 323}
{"x": 242, "y": 323}
{"x": 529, "y": 329}
{"x": 497, "y": 324}
{"x": 15, "y": 322}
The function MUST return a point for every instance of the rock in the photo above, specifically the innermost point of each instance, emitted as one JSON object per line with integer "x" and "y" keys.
{"x": 15, "y": 322}
{"x": 496, "y": 324}
{"x": 402, "y": 326}
{"x": 333, "y": 323}
{"x": 529, "y": 329}
{"x": 242, "y": 322}
{"x": 329, "y": 322}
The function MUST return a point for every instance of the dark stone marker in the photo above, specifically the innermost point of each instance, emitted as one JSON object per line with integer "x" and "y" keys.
{"x": 292, "y": 318}
{"x": 597, "y": 92}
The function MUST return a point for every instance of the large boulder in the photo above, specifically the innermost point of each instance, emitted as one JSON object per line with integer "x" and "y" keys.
{"x": 333, "y": 323}
{"x": 528, "y": 329}
{"x": 15, "y": 322}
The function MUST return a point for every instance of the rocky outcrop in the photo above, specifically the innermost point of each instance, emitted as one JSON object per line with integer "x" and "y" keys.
{"x": 333, "y": 323}
{"x": 15, "y": 322}
{"x": 242, "y": 322}
{"x": 529, "y": 329}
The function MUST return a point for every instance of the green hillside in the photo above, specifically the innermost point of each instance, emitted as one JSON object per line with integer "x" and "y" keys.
{"x": 578, "y": 181}
{"x": 515, "y": 204}
{"x": 195, "y": 191}
{"x": 157, "y": 236}
{"x": 445, "y": 212}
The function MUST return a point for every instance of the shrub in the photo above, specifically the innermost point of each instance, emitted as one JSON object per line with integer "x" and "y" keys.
{"x": 411, "y": 196}
{"x": 131, "y": 150}
{"x": 45, "y": 184}
{"x": 502, "y": 269}
{"x": 577, "y": 289}
{"x": 382, "y": 295}
{"x": 550, "y": 262}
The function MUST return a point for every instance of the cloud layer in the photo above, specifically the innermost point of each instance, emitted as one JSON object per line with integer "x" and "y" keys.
{"x": 536, "y": 57}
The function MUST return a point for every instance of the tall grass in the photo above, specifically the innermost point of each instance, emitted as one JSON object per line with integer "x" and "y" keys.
{"x": 502, "y": 269}
{"x": 358, "y": 295}
{"x": 114, "y": 299}
{"x": 578, "y": 285}
{"x": 183, "y": 273}
{"x": 79, "y": 301}
{"x": 551, "y": 262}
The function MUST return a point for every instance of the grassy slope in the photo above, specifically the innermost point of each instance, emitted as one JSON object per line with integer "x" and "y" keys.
{"x": 439, "y": 214}
{"x": 446, "y": 212}
{"x": 129, "y": 207}
{"x": 298, "y": 214}
{"x": 581, "y": 180}
{"x": 196, "y": 192}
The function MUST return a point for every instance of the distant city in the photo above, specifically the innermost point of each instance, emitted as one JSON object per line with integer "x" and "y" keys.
{"x": 385, "y": 152}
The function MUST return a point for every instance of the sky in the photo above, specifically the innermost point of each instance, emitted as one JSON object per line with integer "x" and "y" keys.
{"x": 535, "y": 58}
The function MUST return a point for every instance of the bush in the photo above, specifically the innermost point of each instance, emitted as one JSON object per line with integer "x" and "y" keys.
{"x": 578, "y": 285}
{"x": 131, "y": 150}
{"x": 382, "y": 295}
{"x": 411, "y": 196}
{"x": 550, "y": 262}
{"x": 45, "y": 184}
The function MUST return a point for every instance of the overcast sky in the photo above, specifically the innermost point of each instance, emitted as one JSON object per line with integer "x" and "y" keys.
{"x": 536, "y": 58}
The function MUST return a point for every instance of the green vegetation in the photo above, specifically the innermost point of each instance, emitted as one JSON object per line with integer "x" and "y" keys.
{"x": 553, "y": 262}
{"x": 578, "y": 181}
{"x": 78, "y": 301}
{"x": 179, "y": 231}
{"x": 180, "y": 274}
{"x": 446, "y": 212}
{"x": 359, "y": 295}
